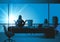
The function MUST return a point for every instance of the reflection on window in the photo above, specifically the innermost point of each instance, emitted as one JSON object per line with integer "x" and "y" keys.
{"x": 54, "y": 11}
{"x": 3, "y": 12}
{"x": 35, "y": 12}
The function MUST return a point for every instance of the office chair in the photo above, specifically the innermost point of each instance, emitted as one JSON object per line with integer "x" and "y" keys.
{"x": 9, "y": 34}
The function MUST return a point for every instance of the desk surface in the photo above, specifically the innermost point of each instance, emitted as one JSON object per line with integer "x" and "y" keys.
{"x": 29, "y": 30}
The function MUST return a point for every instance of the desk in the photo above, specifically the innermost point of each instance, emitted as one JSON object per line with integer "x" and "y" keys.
{"x": 26, "y": 30}
{"x": 49, "y": 32}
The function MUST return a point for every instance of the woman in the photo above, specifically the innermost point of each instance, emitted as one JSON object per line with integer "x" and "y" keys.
{"x": 20, "y": 23}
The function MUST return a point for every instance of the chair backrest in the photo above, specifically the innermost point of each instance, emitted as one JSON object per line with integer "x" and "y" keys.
{"x": 5, "y": 29}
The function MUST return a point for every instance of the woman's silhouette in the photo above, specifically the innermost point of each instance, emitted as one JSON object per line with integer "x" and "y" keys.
{"x": 20, "y": 23}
